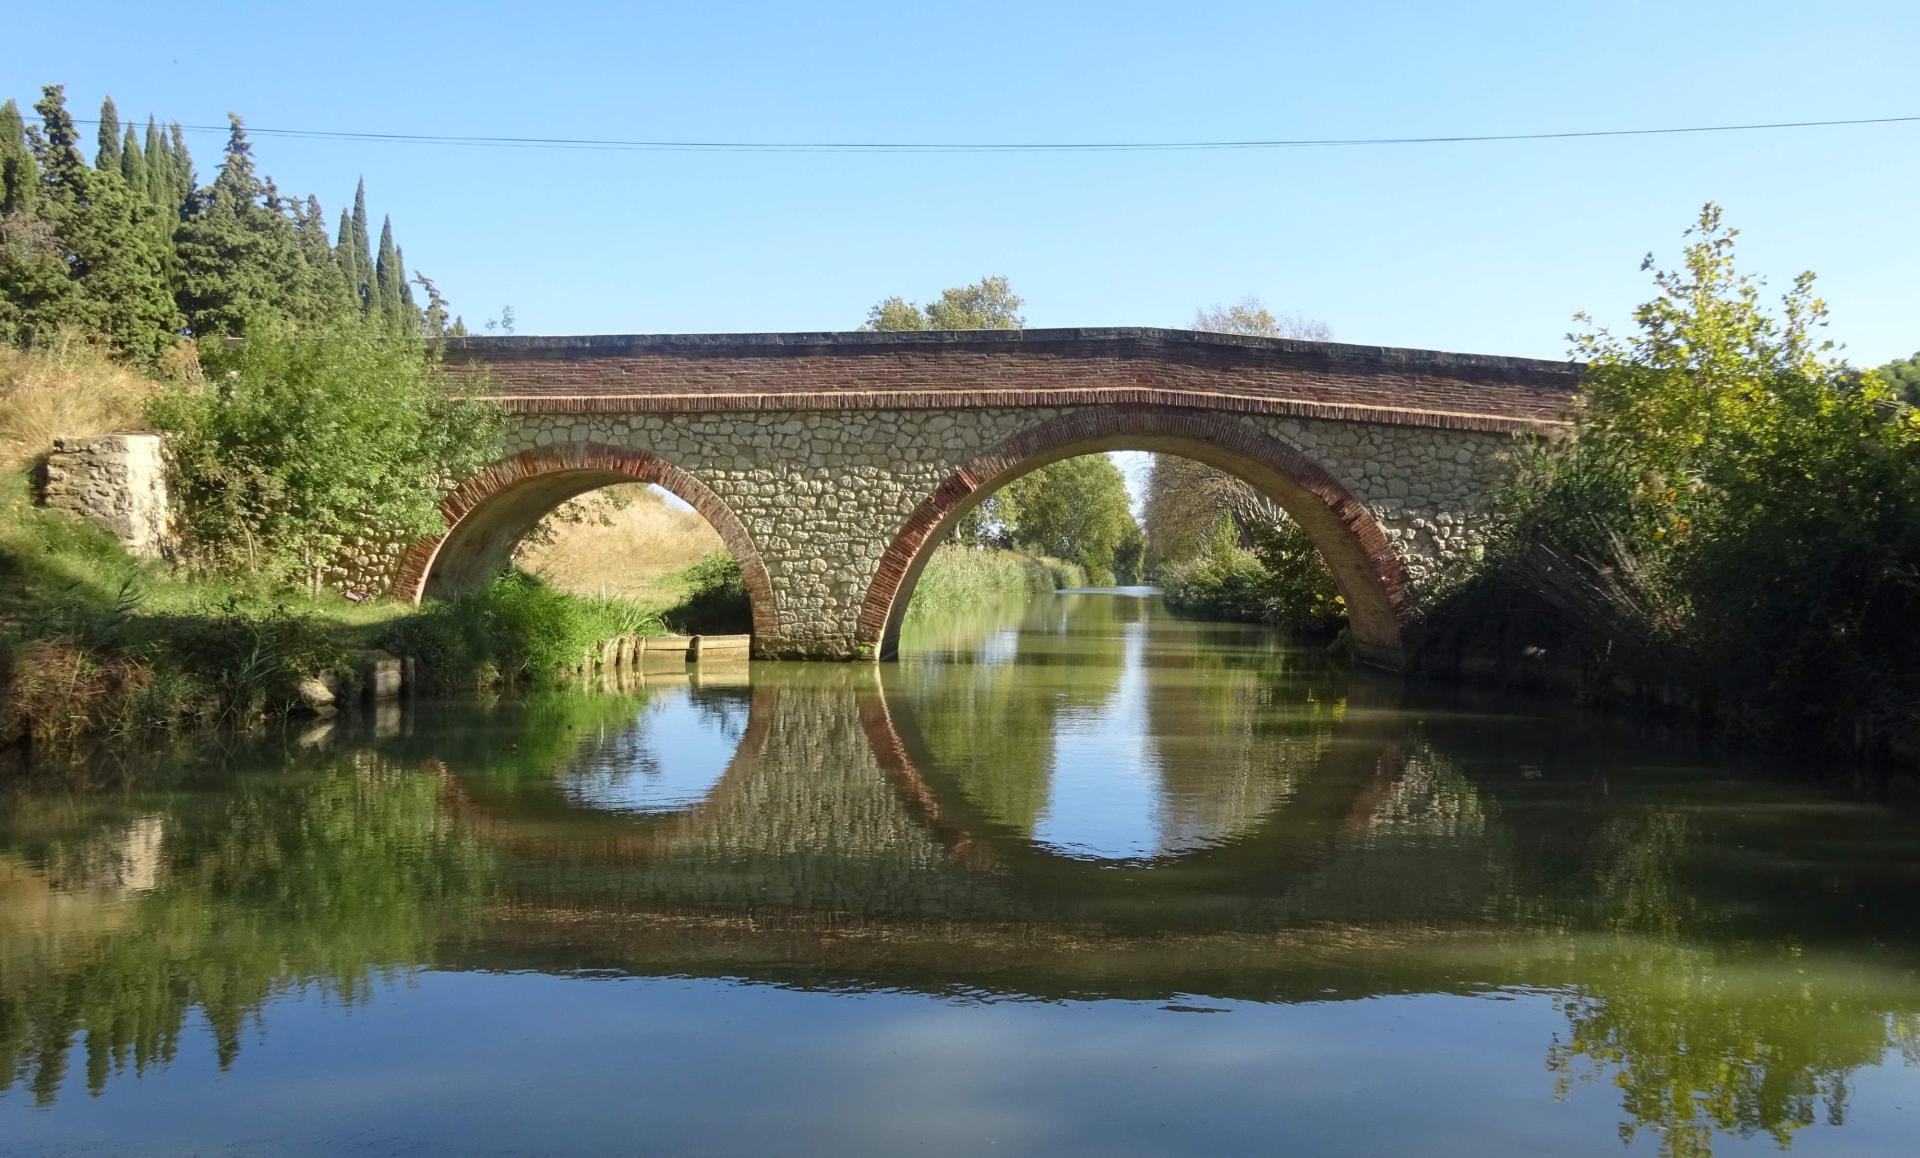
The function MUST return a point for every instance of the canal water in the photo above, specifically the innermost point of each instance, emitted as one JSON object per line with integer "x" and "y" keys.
{"x": 1074, "y": 877}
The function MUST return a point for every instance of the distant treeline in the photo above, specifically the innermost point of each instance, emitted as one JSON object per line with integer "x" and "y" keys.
{"x": 131, "y": 249}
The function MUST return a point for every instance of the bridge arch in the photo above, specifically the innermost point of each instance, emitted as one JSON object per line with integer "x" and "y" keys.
{"x": 1367, "y": 572}
{"x": 492, "y": 511}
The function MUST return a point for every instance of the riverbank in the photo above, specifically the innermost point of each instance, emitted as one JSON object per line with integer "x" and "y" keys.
{"x": 100, "y": 647}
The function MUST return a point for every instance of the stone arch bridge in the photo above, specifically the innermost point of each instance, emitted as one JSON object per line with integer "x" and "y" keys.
{"x": 832, "y": 463}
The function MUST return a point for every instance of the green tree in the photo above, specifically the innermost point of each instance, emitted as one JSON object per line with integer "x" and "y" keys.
{"x": 1077, "y": 509}
{"x": 988, "y": 304}
{"x": 36, "y": 291}
{"x": 363, "y": 252}
{"x": 1250, "y": 316}
{"x": 19, "y": 174}
{"x": 160, "y": 171}
{"x": 395, "y": 308}
{"x": 1904, "y": 377}
{"x": 316, "y": 438}
{"x": 1737, "y": 507}
{"x": 184, "y": 181}
{"x": 104, "y": 239}
{"x": 239, "y": 253}
{"x": 133, "y": 165}
{"x": 107, "y": 157}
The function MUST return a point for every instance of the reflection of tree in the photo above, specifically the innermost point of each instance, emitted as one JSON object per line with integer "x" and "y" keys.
{"x": 989, "y": 715}
{"x": 325, "y": 878}
{"x": 1736, "y": 1040}
{"x": 1234, "y": 732}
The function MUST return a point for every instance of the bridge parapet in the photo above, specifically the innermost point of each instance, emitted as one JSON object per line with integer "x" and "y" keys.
{"x": 1018, "y": 368}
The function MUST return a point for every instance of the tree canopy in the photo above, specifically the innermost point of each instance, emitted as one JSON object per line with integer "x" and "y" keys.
{"x": 1079, "y": 509}
{"x": 131, "y": 250}
{"x": 988, "y": 304}
{"x": 1904, "y": 377}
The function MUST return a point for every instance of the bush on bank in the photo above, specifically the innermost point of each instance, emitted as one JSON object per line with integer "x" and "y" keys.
{"x": 515, "y": 628}
{"x": 97, "y": 645}
{"x": 715, "y": 602}
{"x": 1281, "y": 580}
{"x": 1737, "y": 515}
{"x": 305, "y": 441}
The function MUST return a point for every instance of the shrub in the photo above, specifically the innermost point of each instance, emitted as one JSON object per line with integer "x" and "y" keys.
{"x": 1282, "y": 580}
{"x": 305, "y": 441}
{"x": 716, "y": 599}
{"x": 1737, "y": 511}
{"x": 516, "y": 627}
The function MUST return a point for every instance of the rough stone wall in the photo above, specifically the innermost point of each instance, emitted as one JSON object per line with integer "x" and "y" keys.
{"x": 823, "y": 493}
{"x": 115, "y": 481}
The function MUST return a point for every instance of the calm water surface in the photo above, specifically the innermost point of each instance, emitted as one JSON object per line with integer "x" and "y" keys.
{"x": 1073, "y": 878}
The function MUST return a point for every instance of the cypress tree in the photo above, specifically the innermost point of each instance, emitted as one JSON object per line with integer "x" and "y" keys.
{"x": 327, "y": 286}
{"x": 19, "y": 174}
{"x": 107, "y": 160}
{"x": 36, "y": 293}
{"x": 343, "y": 256}
{"x": 184, "y": 182}
{"x": 159, "y": 170}
{"x": 133, "y": 164}
{"x": 386, "y": 281}
{"x": 363, "y": 251}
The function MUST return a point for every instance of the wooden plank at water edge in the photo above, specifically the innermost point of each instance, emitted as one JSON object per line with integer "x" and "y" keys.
{"x": 730, "y": 646}
{"x": 679, "y": 643}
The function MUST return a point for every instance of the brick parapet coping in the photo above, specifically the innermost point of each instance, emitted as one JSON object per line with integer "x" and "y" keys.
{"x": 1016, "y": 368}
{"x": 469, "y": 499}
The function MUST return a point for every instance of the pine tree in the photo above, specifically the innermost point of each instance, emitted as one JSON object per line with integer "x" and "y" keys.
{"x": 239, "y": 254}
{"x": 109, "y": 243}
{"x": 107, "y": 160}
{"x": 36, "y": 294}
{"x": 326, "y": 286}
{"x": 133, "y": 164}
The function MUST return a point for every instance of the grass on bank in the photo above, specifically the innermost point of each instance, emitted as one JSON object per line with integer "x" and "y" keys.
{"x": 959, "y": 576}
{"x": 67, "y": 387}
{"x": 96, "y": 645}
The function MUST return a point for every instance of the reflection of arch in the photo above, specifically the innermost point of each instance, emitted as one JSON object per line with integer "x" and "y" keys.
{"x": 1367, "y": 572}
{"x": 556, "y": 829}
{"x": 1351, "y": 775}
{"x": 492, "y": 511}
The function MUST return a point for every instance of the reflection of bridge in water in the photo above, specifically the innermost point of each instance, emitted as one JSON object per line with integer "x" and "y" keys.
{"x": 842, "y": 829}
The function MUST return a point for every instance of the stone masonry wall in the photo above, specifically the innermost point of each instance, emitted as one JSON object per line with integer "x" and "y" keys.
{"x": 115, "y": 481}
{"x": 823, "y": 493}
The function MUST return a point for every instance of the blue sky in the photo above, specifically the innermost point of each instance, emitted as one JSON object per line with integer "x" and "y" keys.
{"x": 1481, "y": 247}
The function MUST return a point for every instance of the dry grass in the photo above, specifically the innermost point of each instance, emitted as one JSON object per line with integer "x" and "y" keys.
{"x": 65, "y": 388}
{"x": 55, "y": 691}
{"x": 636, "y": 551}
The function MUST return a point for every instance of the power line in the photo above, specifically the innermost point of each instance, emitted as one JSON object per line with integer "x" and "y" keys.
{"x": 879, "y": 147}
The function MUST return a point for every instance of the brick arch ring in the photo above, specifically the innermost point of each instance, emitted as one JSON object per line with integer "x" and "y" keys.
{"x": 1367, "y": 572}
{"x": 489, "y": 513}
